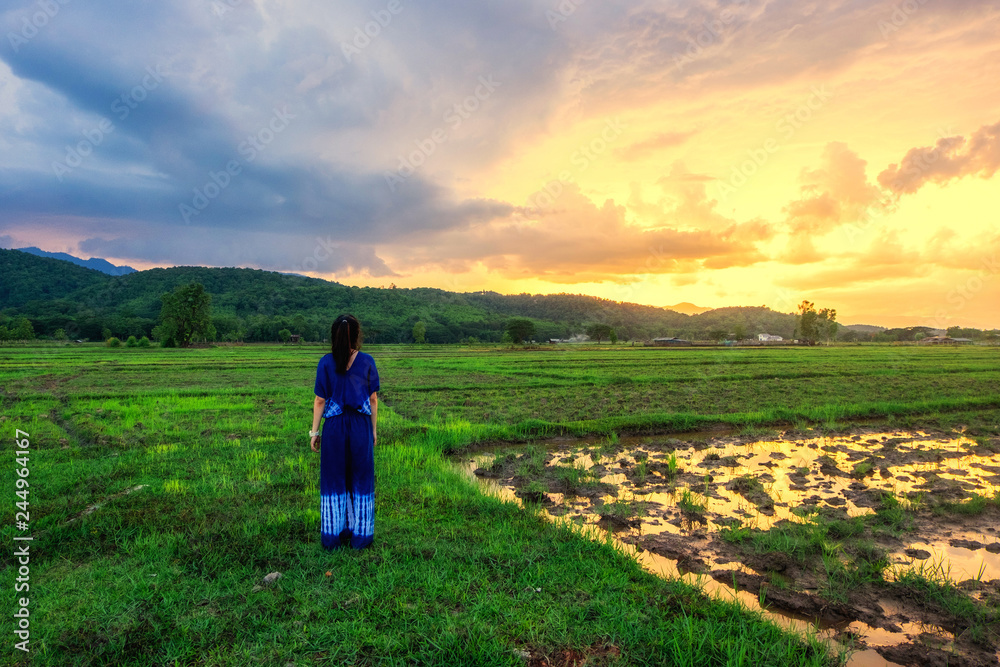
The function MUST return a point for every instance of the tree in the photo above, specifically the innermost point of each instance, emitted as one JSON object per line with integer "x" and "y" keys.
{"x": 285, "y": 335}
{"x": 849, "y": 336}
{"x": 613, "y": 337}
{"x": 419, "y": 332}
{"x": 718, "y": 335}
{"x": 23, "y": 329}
{"x": 827, "y": 323}
{"x": 740, "y": 332}
{"x": 808, "y": 328}
{"x": 187, "y": 314}
{"x": 520, "y": 330}
{"x": 599, "y": 332}
{"x": 20, "y": 329}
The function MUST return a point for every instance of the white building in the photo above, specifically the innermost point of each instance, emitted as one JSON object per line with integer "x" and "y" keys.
{"x": 768, "y": 338}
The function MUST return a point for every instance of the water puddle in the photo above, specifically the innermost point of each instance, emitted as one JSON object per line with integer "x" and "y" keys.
{"x": 686, "y": 506}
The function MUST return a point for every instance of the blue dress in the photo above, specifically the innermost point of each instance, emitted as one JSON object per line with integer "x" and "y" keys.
{"x": 347, "y": 463}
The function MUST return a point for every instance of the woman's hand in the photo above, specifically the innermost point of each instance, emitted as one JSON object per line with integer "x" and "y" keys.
{"x": 314, "y": 443}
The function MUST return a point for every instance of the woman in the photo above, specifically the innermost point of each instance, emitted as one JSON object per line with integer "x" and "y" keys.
{"x": 346, "y": 386}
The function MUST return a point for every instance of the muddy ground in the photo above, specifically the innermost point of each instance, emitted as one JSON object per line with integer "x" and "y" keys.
{"x": 888, "y": 541}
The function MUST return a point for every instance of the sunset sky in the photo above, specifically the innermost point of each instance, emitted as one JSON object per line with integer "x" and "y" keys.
{"x": 751, "y": 152}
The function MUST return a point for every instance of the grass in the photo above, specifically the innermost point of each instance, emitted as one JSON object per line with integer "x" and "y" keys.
{"x": 623, "y": 510}
{"x": 975, "y": 505}
{"x": 893, "y": 514}
{"x": 534, "y": 492}
{"x": 932, "y": 581}
{"x": 692, "y": 503}
{"x": 673, "y": 467}
{"x": 165, "y": 575}
{"x": 641, "y": 471}
{"x": 573, "y": 478}
{"x": 862, "y": 469}
{"x": 531, "y": 462}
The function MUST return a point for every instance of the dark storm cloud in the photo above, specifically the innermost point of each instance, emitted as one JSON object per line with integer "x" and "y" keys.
{"x": 147, "y": 114}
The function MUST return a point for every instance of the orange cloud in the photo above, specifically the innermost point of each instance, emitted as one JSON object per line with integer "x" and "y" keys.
{"x": 835, "y": 193}
{"x": 575, "y": 241}
{"x": 949, "y": 159}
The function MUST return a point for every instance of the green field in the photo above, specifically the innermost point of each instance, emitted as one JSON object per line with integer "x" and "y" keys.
{"x": 166, "y": 574}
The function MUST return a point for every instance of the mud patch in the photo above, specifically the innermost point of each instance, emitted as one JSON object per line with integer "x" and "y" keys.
{"x": 596, "y": 654}
{"x": 822, "y": 529}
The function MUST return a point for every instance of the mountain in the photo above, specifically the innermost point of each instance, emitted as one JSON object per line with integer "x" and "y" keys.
{"x": 25, "y": 278}
{"x": 865, "y": 328}
{"x": 688, "y": 308}
{"x": 255, "y": 305}
{"x": 95, "y": 263}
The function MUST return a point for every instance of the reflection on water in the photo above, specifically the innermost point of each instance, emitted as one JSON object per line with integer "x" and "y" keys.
{"x": 669, "y": 478}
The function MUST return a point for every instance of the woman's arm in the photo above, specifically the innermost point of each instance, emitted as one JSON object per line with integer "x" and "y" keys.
{"x": 373, "y": 402}
{"x": 318, "y": 404}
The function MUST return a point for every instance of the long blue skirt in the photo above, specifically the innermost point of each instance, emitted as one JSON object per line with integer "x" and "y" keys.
{"x": 347, "y": 480}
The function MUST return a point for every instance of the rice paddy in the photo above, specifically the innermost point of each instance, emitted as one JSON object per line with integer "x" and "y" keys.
{"x": 167, "y": 484}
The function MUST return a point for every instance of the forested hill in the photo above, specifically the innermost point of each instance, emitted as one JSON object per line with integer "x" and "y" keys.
{"x": 25, "y": 277}
{"x": 254, "y": 305}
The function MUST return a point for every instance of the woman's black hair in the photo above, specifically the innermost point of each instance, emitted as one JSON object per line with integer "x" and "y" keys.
{"x": 345, "y": 335}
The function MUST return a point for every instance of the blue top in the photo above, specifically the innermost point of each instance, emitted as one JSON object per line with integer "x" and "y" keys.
{"x": 350, "y": 390}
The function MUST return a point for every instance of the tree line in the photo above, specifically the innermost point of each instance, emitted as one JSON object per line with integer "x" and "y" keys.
{"x": 58, "y": 298}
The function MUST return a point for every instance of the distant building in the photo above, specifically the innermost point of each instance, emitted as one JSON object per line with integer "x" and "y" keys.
{"x": 768, "y": 338}
{"x": 668, "y": 342}
{"x": 944, "y": 340}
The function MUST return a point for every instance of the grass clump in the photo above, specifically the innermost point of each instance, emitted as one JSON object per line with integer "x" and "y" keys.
{"x": 500, "y": 461}
{"x": 572, "y": 479}
{"x": 862, "y": 469}
{"x": 531, "y": 462}
{"x": 734, "y": 532}
{"x": 893, "y": 514}
{"x": 641, "y": 471}
{"x": 534, "y": 492}
{"x": 692, "y": 503}
{"x": 933, "y": 582}
{"x": 673, "y": 467}
{"x": 974, "y": 505}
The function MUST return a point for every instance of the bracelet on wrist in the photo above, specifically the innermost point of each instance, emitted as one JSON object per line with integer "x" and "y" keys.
{"x": 313, "y": 434}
